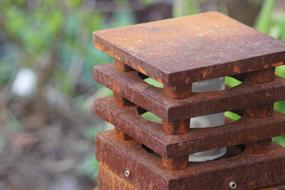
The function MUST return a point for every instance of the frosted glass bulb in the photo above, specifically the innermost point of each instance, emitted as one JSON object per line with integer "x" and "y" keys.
{"x": 206, "y": 121}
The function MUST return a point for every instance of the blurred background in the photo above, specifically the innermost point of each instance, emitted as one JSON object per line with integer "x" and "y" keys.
{"x": 47, "y": 127}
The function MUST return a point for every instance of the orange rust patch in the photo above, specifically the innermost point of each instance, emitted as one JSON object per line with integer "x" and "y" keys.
{"x": 204, "y": 74}
{"x": 141, "y": 69}
{"x": 108, "y": 180}
{"x": 237, "y": 69}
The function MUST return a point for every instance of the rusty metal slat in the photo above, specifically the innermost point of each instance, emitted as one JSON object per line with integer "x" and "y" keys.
{"x": 248, "y": 171}
{"x": 131, "y": 87}
{"x": 218, "y": 47}
{"x": 178, "y": 92}
{"x": 151, "y": 134}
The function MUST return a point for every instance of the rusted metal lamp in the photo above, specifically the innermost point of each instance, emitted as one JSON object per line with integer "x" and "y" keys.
{"x": 140, "y": 154}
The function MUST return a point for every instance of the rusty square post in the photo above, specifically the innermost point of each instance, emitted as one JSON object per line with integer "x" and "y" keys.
{"x": 145, "y": 155}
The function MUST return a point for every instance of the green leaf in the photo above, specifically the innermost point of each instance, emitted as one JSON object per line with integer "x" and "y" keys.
{"x": 151, "y": 117}
{"x": 280, "y": 71}
{"x": 153, "y": 82}
{"x": 233, "y": 116}
{"x": 279, "y": 140}
{"x": 232, "y": 82}
{"x": 280, "y": 106}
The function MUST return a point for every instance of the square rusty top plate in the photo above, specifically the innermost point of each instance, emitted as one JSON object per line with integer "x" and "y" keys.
{"x": 186, "y": 49}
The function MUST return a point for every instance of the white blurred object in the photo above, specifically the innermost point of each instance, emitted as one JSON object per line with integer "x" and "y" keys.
{"x": 206, "y": 121}
{"x": 25, "y": 82}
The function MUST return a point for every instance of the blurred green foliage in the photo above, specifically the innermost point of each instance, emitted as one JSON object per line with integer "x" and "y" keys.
{"x": 59, "y": 31}
{"x": 89, "y": 167}
{"x": 36, "y": 33}
{"x": 184, "y": 7}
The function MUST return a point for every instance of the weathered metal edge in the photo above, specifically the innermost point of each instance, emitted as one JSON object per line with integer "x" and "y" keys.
{"x": 123, "y": 56}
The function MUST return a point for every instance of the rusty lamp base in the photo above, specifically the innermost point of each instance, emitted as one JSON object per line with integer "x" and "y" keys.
{"x": 108, "y": 180}
{"x": 125, "y": 165}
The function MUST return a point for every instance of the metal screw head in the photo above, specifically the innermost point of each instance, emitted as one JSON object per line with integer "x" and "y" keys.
{"x": 232, "y": 185}
{"x": 127, "y": 173}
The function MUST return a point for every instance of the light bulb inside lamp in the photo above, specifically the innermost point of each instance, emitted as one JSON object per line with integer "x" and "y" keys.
{"x": 205, "y": 121}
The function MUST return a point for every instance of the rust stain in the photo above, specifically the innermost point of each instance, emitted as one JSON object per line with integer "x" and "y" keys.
{"x": 237, "y": 69}
{"x": 108, "y": 180}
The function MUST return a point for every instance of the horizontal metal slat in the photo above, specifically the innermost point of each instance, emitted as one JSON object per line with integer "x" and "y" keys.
{"x": 133, "y": 88}
{"x": 150, "y": 134}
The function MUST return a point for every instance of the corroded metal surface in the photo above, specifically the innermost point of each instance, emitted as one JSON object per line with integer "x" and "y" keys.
{"x": 249, "y": 172}
{"x": 182, "y": 50}
{"x": 277, "y": 187}
{"x": 151, "y": 134}
{"x": 133, "y": 88}
{"x": 260, "y": 111}
{"x": 110, "y": 181}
